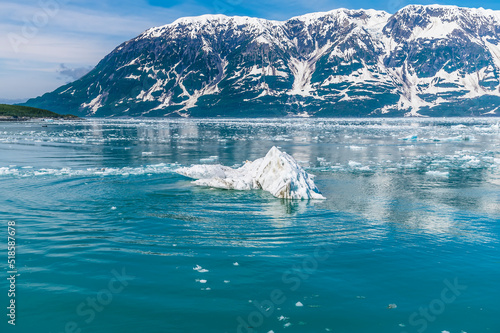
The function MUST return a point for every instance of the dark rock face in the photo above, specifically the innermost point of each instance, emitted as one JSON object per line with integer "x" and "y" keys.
{"x": 423, "y": 60}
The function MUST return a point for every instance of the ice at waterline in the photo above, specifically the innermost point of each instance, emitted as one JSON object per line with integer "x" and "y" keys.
{"x": 277, "y": 173}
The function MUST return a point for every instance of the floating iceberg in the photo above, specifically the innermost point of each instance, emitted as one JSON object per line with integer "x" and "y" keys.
{"x": 277, "y": 173}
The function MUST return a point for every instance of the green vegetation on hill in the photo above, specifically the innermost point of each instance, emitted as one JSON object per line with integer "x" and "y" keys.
{"x": 18, "y": 111}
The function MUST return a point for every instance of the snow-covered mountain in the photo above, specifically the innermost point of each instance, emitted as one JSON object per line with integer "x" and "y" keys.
{"x": 423, "y": 60}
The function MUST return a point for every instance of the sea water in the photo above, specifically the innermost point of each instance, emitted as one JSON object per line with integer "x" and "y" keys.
{"x": 110, "y": 239}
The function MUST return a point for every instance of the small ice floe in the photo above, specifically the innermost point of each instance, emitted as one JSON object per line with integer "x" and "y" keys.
{"x": 226, "y": 281}
{"x": 203, "y": 281}
{"x": 410, "y": 138}
{"x": 282, "y": 318}
{"x": 147, "y": 153}
{"x": 113, "y": 208}
{"x": 358, "y": 166}
{"x": 235, "y": 264}
{"x": 287, "y": 324}
{"x": 354, "y": 164}
{"x": 299, "y": 304}
{"x": 392, "y": 306}
{"x": 445, "y": 331}
{"x": 437, "y": 174}
{"x": 200, "y": 269}
{"x": 277, "y": 173}
{"x": 457, "y": 138}
{"x": 211, "y": 159}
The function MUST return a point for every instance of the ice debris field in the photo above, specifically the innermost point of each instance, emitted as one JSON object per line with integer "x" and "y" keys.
{"x": 434, "y": 148}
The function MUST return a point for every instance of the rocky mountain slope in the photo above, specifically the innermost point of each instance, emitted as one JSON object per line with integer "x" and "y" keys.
{"x": 423, "y": 60}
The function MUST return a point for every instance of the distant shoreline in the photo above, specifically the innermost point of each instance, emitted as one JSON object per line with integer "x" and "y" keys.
{"x": 25, "y": 113}
{"x": 14, "y": 119}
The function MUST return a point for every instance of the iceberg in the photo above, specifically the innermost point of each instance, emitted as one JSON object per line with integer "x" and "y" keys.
{"x": 277, "y": 172}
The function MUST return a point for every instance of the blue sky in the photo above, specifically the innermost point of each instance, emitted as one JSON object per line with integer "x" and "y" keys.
{"x": 47, "y": 43}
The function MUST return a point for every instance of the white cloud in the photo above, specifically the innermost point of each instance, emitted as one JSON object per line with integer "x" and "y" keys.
{"x": 38, "y": 38}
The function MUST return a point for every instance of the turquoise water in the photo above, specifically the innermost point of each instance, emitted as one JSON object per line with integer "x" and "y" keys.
{"x": 110, "y": 239}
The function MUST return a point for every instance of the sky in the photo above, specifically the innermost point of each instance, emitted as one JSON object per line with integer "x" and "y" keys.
{"x": 47, "y": 43}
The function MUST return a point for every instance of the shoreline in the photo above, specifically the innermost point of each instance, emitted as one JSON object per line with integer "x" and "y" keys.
{"x": 23, "y": 119}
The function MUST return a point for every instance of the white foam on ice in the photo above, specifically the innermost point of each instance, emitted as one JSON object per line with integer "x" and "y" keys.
{"x": 277, "y": 172}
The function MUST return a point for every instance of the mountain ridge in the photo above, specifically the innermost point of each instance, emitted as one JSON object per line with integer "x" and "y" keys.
{"x": 421, "y": 61}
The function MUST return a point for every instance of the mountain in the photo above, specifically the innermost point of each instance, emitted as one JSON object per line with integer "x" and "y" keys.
{"x": 423, "y": 60}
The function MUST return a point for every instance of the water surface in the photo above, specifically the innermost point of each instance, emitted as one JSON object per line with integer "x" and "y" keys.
{"x": 413, "y": 206}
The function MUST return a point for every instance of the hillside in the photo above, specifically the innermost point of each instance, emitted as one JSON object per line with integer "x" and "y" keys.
{"x": 20, "y": 112}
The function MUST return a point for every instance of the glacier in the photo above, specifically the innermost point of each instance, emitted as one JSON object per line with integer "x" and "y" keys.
{"x": 277, "y": 173}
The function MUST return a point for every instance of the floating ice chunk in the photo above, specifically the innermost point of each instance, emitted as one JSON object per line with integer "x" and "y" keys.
{"x": 455, "y": 138}
{"x": 277, "y": 173}
{"x": 438, "y": 174}
{"x": 211, "y": 159}
{"x": 113, "y": 208}
{"x": 354, "y": 164}
{"x": 203, "y": 281}
{"x": 147, "y": 153}
{"x": 235, "y": 264}
{"x": 410, "y": 138}
{"x": 200, "y": 269}
{"x": 299, "y": 304}
{"x": 392, "y": 306}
